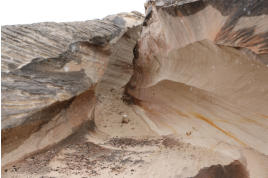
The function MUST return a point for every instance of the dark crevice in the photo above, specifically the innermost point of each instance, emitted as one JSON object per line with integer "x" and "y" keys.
{"x": 233, "y": 170}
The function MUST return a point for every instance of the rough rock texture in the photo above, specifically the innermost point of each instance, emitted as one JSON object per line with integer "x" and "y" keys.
{"x": 186, "y": 97}
{"x": 41, "y": 63}
{"x": 49, "y": 73}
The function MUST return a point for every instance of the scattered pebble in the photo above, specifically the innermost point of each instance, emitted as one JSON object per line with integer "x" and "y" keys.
{"x": 125, "y": 120}
{"x": 188, "y": 133}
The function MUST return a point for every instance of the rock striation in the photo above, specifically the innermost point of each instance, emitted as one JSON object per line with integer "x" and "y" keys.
{"x": 49, "y": 74}
{"x": 186, "y": 83}
{"x": 200, "y": 68}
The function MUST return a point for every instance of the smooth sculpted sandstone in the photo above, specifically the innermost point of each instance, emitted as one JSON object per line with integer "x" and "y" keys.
{"x": 200, "y": 71}
{"x": 181, "y": 92}
{"x": 49, "y": 74}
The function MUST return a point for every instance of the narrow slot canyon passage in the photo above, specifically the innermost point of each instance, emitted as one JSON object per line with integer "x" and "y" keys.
{"x": 180, "y": 92}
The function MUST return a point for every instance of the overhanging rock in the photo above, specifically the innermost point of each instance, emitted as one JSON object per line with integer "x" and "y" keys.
{"x": 181, "y": 92}
{"x": 49, "y": 75}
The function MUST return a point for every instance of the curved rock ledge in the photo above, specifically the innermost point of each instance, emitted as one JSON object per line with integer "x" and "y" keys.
{"x": 49, "y": 75}
{"x": 200, "y": 72}
{"x": 181, "y": 92}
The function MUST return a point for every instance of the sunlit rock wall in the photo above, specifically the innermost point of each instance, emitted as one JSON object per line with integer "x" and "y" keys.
{"x": 200, "y": 72}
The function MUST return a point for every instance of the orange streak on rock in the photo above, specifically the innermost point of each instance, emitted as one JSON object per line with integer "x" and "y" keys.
{"x": 265, "y": 117}
{"x": 199, "y": 116}
{"x": 181, "y": 113}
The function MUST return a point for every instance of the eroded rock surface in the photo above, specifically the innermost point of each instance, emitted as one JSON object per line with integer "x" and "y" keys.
{"x": 200, "y": 71}
{"x": 181, "y": 92}
{"x": 49, "y": 75}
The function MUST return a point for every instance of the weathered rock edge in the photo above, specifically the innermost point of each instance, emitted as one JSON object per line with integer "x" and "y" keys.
{"x": 200, "y": 72}
{"x": 49, "y": 75}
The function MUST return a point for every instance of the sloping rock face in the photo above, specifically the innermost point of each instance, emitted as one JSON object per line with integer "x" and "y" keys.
{"x": 200, "y": 71}
{"x": 181, "y": 93}
{"x": 49, "y": 75}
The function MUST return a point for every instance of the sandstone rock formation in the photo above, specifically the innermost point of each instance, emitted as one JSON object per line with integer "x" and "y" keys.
{"x": 181, "y": 92}
{"x": 49, "y": 74}
{"x": 200, "y": 68}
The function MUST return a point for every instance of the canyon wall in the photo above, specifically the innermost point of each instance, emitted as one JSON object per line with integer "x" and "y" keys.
{"x": 49, "y": 75}
{"x": 200, "y": 71}
{"x": 200, "y": 62}
{"x": 190, "y": 79}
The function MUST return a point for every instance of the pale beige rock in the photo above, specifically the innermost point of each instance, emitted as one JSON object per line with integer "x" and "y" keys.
{"x": 189, "y": 99}
{"x": 199, "y": 73}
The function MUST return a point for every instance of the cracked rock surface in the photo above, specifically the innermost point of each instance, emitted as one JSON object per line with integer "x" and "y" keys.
{"x": 180, "y": 92}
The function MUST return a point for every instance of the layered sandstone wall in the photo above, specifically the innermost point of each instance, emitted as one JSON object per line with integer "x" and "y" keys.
{"x": 190, "y": 79}
{"x": 49, "y": 76}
